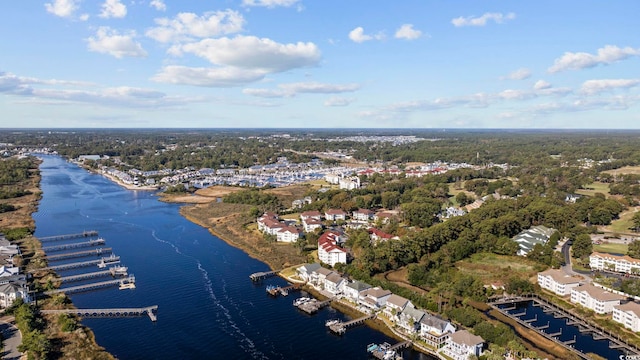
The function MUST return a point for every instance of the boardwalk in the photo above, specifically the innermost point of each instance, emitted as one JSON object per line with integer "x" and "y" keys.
{"x": 341, "y": 327}
{"x": 262, "y": 275}
{"x": 93, "y": 286}
{"x": 89, "y": 243}
{"x": 83, "y": 234}
{"x": 150, "y": 311}
{"x": 77, "y": 254}
{"x": 111, "y": 272}
{"x": 105, "y": 260}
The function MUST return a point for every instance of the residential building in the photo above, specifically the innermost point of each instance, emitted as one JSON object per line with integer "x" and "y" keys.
{"x": 304, "y": 271}
{"x": 377, "y": 235}
{"x": 10, "y": 292}
{"x": 394, "y": 306}
{"x": 350, "y": 183}
{"x": 363, "y": 215}
{"x": 595, "y": 298}
{"x": 628, "y": 315}
{"x": 374, "y": 298}
{"x": 335, "y": 214}
{"x": 334, "y": 283}
{"x": 313, "y": 214}
{"x": 618, "y": 263}
{"x": 409, "y": 319}
{"x": 352, "y": 290}
{"x": 328, "y": 250}
{"x": 319, "y": 276}
{"x": 434, "y": 330}
{"x": 462, "y": 344}
{"x": 311, "y": 224}
{"x": 288, "y": 234}
{"x": 529, "y": 238}
{"x": 557, "y": 281}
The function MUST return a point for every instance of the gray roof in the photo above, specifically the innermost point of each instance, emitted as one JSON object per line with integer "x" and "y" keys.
{"x": 466, "y": 338}
{"x": 397, "y": 301}
{"x": 309, "y": 268}
{"x": 536, "y": 235}
{"x": 434, "y": 322}
{"x": 335, "y": 278}
{"x": 415, "y": 314}
{"x": 358, "y": 285}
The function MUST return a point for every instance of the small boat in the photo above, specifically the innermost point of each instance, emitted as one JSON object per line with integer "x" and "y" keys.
{"x": 328, "y": 323}
{"x": 127, "y": 285}
{"x": 300, "y": 301}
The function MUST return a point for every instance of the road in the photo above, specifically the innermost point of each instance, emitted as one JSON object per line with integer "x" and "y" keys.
{"x": 12, "y": 339}
{"x": 567, "y": 268}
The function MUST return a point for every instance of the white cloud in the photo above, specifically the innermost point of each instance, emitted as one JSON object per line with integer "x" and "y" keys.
{"x": 511, "y": 94}
{"x": 520, "y": 74}
{"x": 498, "y": 18}
{"x": 108, "y": 41}
{"x": 210, "y": 77}
{"x": 269, "y": 3}
{"x": 250, "y": 52}
{"x": 597, "y": 86}
{"x": 406, "y": 31}
{"x": 158, "y": 5}
{"x": 62, "y": 8}
{"x": 338, "y": 101}
{"x": 189, "y": 25}
{"x": 292, "y": 89}
{"x": 358, "y": 35}
{"x": 541, "y": 84}
{"x": 113, "y": 9}
{"x": 581, "y": 60}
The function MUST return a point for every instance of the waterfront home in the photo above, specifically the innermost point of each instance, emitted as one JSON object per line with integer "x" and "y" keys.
{"x": 394, "y": 306}
{"x": 12, "y": 291}
{"x": 304, "y": 271}
{"x": 409, "y": 319}
{"x": 352, "y": 290}
{"x": 334, "y": 283}
{"x": 434, "y": 330}
{"x": 558, "y": 282}
{"x": 628, "y": 315}
{"x": 595, "y": 298}
{"x": 311, "y": 224}
{"x": 374, "y": 298}
{"x": 529, "y": 238}
{"x": 362, "y": 215}
{"x": 335, "y": 214}
{"x": 461, "y": 345}
{"x": 288, "y": 234}
{"x": 328, "y": 250}
{"x": 318, "y": 277}
{"x": 618, "y": 263}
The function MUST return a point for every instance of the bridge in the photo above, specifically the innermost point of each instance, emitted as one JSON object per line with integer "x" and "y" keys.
{"x": 102, "y": 262}
{"x": 77, "y": 254}
{"x": 74, "y": 245}
{"x": 150, "y": 311}
{"x": 111, "y": 272}
{"x": 93, "y": 286}
{"x": 83, "y": 234}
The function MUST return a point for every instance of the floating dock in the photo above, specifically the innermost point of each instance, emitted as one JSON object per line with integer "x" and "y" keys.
{"x": 150, "y": 311}
{"x": 83, "y": 234}
{"x": 77, "y": 254}
{"x": 89, "y": 243}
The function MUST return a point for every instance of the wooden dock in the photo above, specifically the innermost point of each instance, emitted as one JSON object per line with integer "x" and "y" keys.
{"x": 386, "y": 351}
{"x": 93, "y": 286}
{"x": 312, "y": 306}
{"x": 150, "y": 311}
{"x": 77, "y": 254}
{"x": 105, "y": 260}
{"x": 262, "y": 275}
{"x": 83, "y": 234}
{"x": 89, "y": 243}
{"x": 91, "y": 275}
{"x": 341, "y": 327}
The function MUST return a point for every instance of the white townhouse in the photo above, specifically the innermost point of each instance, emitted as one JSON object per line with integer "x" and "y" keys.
{"x": 310, "y": 224}
{"x": 335, "y": 214}
{"x": 557, "y": 281}
{"x": 435, "y": 330}
{"x": 353, "y": 289}
{"x": 409, "y": 319}
{"x": 462, "y": 344}
{"x": 288, "y": 234}
{"x": 304, "y": 271}
{"x": 313, "y": 214}
{"x": 374, "y": 298}
{"x": 394, "y": 306}
{"x": 362, "y": 215}
{"x": 328, "y": 250}
{"x": 334, "y": 283}
{"x": 628, "y": 315}
{"x": 618, "y": 263}
{"x": 595, "y": 298}
{"x": 10, "y": 292}
{"x": 318, "y": 276}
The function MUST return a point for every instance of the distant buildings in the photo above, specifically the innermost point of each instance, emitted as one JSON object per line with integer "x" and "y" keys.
{"x": 618, "y": 263}
{"x": 529, "y": 238}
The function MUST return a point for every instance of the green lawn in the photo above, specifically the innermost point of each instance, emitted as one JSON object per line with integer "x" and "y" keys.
{"x": 624, "y": 224}
{"x": 612, "y": 248}
{"x": 596, "y": 187}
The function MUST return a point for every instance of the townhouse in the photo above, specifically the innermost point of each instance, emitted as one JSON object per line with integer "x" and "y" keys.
{"x": 558, "y": 282}
{"x": 628, "y": 315}
{"x": 617, "y": 263}
{"x": 595, "y": 298}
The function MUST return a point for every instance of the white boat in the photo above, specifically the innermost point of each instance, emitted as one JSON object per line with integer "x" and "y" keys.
{"x": 127, "y": 285}
{"x": 300, "y": 301}
{"x": 331, "y": 322}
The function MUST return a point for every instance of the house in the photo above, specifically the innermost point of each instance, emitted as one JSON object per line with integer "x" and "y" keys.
{"x": 452, "y": 212}
{"x": 352, "y": 290}
{"x": 319, "y": 276}
{"x": 288, "y": 234}
{"x": 313, "y": 214}
{"x": 10, "y": 292}
{"x": 618, "y": 263}
{"x": 434, "y": 330}
{"x": 374, "y": 298}
{"x": 409, "y": 319}
{"x": 385, "y": 216}
{"x": 394, "y": 306}
{"x": 304, "y": 271}
{"x": 7, "y": 271}
{"x": 335, "y": 214}
{"x": 377, "y": 235}
{"x": 529, "y": 238}
{"x": 363, "y": 215}
{"x": 595, "y": 298}
{"x": 311, "y": 224}
{"x": 628, "y": 315}
{"x": 334, "y": 283}
{"x": 328, "y": 250}
{"x": 557, "y": 281}
{"x": 349, "y": 183}
{"x": 462, "y": 344}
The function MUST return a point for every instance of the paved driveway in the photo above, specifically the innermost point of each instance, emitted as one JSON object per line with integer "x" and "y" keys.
{"x": 12, "y": 339}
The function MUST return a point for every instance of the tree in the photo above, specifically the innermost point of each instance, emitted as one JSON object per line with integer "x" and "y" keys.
{"x": 634, "y": 249}
{"x": 636, "y": 221}
{"x": 582, "y": 246}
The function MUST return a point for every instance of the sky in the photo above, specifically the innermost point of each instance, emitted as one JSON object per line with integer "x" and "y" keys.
{"x": 320, "y": 64}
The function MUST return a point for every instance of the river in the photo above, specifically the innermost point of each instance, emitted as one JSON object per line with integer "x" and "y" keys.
{"x": 208, "y": 307}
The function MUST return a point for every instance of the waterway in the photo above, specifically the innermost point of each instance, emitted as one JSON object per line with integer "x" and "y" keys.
{"x": 208, "y": 307}
{"x": 583, "y": 341}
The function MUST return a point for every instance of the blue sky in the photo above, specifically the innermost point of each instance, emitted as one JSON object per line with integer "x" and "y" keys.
{"x": 321, "y": 63}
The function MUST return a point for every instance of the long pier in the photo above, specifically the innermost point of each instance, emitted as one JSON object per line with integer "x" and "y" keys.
{"x": 262, "y": 275}
{"x": 111, "y": 272}
{"x": 93, "y": 286}
{"x": 77, "y": 254}
{"x": 150, "y": 311}
{"x": 83, "y": 234}
{"x": 341, "y": 327}
{"x": 105, "y": 260}
{"x": 74, "y": 245}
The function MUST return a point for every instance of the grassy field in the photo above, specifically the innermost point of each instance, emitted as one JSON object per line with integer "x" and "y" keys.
{"x": 612, "y": 248}
{"x": 624, "y": 170}
{"x": 494, "y": 267}
{"x": 624, "y": 224}
{"x": 596, "y": 187}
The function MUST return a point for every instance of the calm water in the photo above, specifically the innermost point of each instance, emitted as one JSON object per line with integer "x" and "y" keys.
{"x": 208, "y": 307}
